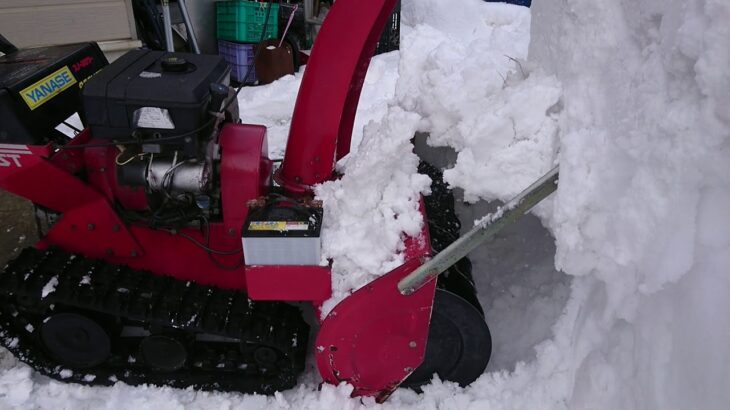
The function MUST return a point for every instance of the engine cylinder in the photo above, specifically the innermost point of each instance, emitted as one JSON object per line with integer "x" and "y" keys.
{"x": 161, "y": 175}
{"x": 184, "y": 177}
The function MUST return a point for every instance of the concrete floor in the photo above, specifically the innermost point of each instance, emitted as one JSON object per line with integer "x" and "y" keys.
{"x": 17, "y": 226}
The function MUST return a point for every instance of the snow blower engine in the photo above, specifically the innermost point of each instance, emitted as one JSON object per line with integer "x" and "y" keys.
{"x": 173, "y": 254}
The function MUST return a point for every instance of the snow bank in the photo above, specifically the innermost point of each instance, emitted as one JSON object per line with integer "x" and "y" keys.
{"x": 461, "y": 71}
{"x": 641, "y": 212}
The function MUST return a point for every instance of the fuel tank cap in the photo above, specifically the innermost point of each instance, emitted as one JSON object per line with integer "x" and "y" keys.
{"x": 174, "y": 64}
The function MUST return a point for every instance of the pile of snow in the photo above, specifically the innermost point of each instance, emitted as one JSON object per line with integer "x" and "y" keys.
{"x": 462, "y": 70}
{"x": 641, "y": 215}
{"x": 459, "y": 80}
{"x": 272, "y": 105}
{"x": 373, "y": 206}
{"x": 632, "y": 98}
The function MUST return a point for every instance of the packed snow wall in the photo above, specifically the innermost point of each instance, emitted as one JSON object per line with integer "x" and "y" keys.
{"x": 642, "y": 214}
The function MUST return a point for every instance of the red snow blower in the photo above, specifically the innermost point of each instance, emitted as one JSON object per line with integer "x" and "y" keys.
{"x": 170, "y": 256}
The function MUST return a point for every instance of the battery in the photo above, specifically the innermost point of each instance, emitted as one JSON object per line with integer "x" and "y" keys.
{"x": 283, "y": 234}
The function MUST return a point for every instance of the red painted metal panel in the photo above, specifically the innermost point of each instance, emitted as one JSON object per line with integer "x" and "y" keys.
{"x": 88, "y": 223}
{"x": 174, "y": 255}
{"x": 94, "y": 230}
{"x": 35, "y": 178}
{"x": 376, "y": 337}
{"x": 325, "y": 110}
{"x": 72, "y": 159}
{"x": 245, "y": 171}
{"x": 289, "y": 283}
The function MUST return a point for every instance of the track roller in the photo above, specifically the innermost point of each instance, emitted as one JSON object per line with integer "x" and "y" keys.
{"x": 75, "y": 340}
{"x": 163, "y": 353}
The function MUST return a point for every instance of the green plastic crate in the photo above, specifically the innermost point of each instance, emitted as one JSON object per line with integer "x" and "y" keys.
{"x": 243, "y": 21}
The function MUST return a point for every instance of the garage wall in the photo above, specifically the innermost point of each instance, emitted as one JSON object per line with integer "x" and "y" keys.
{"x": 29, "y": 23}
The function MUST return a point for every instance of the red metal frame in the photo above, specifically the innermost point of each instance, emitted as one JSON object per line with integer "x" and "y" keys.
{"x": 81, "y": 184}
{"x": 324, "y": 114}
{"x": 289, "y": 283}
{"x": 245, "y": 172}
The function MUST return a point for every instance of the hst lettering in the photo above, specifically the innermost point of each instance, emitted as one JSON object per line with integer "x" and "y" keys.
{"x": 9, "y": 160}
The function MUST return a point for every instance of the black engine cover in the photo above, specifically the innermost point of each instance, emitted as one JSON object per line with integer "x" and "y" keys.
{"x": 155, "y": 93}
{"x": 39, "y": 88}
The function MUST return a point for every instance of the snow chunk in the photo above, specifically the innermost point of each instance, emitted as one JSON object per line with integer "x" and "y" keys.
{"x": 49, "y": 287}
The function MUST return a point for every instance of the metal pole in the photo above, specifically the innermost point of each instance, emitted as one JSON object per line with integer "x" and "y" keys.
{"x": 170, "y": 46}
{"x": 485, "y": 229}
{"x": 189, "y": 26}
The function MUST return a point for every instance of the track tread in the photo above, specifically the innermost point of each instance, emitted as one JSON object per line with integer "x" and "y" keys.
{"x": 119, "y": 294}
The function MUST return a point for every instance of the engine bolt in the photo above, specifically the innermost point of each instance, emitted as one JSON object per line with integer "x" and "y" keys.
{"x": 133, "y": 254}
{"x": 412, "y": 344}
{"x": 90, "y": 227}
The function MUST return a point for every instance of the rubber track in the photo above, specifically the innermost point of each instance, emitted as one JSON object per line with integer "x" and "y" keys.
{"x": 115, "y": 296}
{"x": 444, "y": 228}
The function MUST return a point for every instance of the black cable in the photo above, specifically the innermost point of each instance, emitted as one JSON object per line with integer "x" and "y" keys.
{"x": 170, "y": 174}
{"x": 208, "y": 249}
{"x": 210, "y": 253}
{"x": 137, "y": 141}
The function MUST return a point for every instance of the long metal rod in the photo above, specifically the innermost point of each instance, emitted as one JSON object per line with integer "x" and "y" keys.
{"x": 192, "y": 38}
{"x": 485, "y": 229}
{"x": 167, "y": 20}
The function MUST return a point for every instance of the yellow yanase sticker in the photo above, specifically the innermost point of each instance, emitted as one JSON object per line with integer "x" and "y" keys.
{"x": 47, "y": 88}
